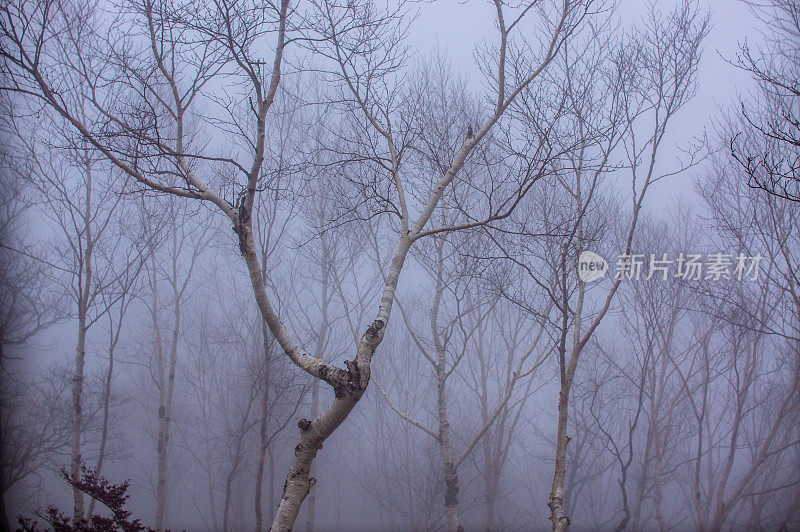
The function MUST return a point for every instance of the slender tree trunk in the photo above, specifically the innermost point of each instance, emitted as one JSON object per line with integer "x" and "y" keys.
{"x": 271, "y": 479}
{"x": 77, "y": 390}
{"x": 262, "y": 451}
{"x": 244, "y": 428}
{"x": 490, "y": 473}
{"x": 228, "y": 485}
{"x": 491, "y": 501}
{"x": 641, "y": 481}
{"x": 159, "y": 349}
{"x": 85, "y": 282}
{"x": 166, "y": 381}
{"x": 164, "y": 424}
{"x": 557, "y": 494}
{"x": 211, "y": 502}
{"x": 558, "y": 514}
{"x": 626, "y": 509}
{"x": 232, "y": 474}
{"x": 322, "y": 338}
{"x": 660, "y": 439}
{"x": 448, "y": 465}
{"x": 104, "y": 432}
{"x": 262, "y": 431}
{"x": 106, "y": 404}
{"x": 450, "y": 470}
{"x": 658, "y": 495}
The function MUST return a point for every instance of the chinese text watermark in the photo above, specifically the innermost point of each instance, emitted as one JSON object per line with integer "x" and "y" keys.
{"x": 686, "y": 266}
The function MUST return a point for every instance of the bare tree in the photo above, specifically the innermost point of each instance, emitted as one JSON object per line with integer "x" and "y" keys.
{"x": 621, "y": 98}
{"x": 26, "y": 306}
{"x": 173, "y": 265}
{"x": 632, "y": 397}
{"x": 129, "y": 287}
{"x": 752, "y": 382}
{"x": 765, "y": 137}
{"x": 456, "y": 328}
{"x": 97, "y": 261}
{"x": 147, "y": 95}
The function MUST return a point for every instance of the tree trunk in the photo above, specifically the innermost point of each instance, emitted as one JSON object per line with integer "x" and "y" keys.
{"x": 233, "y": 471}
{"x": 104, "y": 432}
{"x": 449, "y": 467}
{"x": 312, "y": 436}
{"x": 166, "y": 382}
{"x": 106, "y": 404}
{"x": 322, "y": 338}
{"x": 450, "y": 470}
{"x": 558, "y": 514}
{"x": 312, "y": 499}
{"x": 159, "y": 348}
{"x": 556, "y": 504}
{"x": 271, "y": 478}
{"x": 164, "y": 423}
{"x": 262, "y": 431}
{"x": 84, "y": 284}
{"x": 314, "y": 433}
{"x": 491, "y": 503}
{"x": 75, "y": 429}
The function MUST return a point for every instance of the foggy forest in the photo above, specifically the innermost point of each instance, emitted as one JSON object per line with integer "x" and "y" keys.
{"x": 399, "y": 265}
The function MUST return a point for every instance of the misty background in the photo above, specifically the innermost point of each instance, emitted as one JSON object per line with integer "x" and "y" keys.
{"x": 681, "y": 409}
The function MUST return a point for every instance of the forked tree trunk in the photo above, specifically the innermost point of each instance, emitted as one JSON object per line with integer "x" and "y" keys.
{"x": 314, "y": 433}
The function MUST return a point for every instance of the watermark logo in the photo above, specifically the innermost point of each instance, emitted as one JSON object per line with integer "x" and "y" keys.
{"x": 591, "y": 266}
{"x": 686, "y": 266}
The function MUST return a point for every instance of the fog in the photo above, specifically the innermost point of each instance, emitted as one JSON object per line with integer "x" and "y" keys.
{"x": 408, "y": 266}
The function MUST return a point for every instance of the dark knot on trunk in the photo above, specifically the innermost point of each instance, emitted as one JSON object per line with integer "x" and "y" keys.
{"x": 451, "y": 485}
{"x": 373, "y": 331}
{"x": 242, "y": 218}
{"x": 304, "y": 424}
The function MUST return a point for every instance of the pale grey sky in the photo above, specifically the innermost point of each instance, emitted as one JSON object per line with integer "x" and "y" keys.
{"x": 457, "y": 26}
